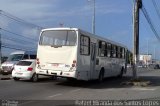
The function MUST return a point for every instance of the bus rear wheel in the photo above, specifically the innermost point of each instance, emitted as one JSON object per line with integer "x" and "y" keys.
{"x": 71, "y": 79}
{"x": 121, "y": 73}
{"x": 101, "y": 76}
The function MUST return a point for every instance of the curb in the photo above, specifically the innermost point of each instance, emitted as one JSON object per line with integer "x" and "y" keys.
{"x": 139, "y": 83}
{"x": 6, "y": 78}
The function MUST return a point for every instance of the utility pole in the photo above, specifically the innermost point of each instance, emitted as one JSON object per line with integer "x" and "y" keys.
{"x": 137, "y": 7}
{"x": 0, "y": 50}
{"x": 0, "y": 46}
{"x": 155, "y": 52}
{"x": 94, "y": 15}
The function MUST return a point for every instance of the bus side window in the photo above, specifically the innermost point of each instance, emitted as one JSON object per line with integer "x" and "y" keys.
{"x": 119, "y": 52}
{"x": 113, "y": 51}
{"x": 100, "y": 44}
{"x": 108, "y": 50}
{"x": 84, "y": 45}
{"x": 102, "y": 48}
{"x": 123, "y": 53}
{"x": 105, "y": 51}
{"x": 116, "y": 50}
{"x": 25, "y": 56}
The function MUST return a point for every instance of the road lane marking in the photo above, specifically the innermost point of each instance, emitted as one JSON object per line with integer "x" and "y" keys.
{"x": 26, "y": 102}
{"x": 144, "y": 89}
{"x": 72, "y": 91}
{"x": 55, "y": 95}
{"x": 127, "y": 89}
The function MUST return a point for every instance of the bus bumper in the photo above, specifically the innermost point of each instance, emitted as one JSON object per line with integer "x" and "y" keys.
{"x": 56, "y": 73}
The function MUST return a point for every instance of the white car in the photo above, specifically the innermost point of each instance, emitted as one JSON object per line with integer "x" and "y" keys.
{"x": 14, "y": 57}
{"x": 25, "y": 69}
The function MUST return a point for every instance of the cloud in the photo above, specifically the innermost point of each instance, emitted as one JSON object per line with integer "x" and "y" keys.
{"x": 26, "y": 9}
{"x": 122, "y": 37}
{"x": 109, "y": 9}
{"x": 31, "y": 32}
{"x": 118, "y": 34}
{"x": 45, "y": 11}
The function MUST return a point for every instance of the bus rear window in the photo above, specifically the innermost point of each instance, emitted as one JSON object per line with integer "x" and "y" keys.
{"x": 58, "y": 38}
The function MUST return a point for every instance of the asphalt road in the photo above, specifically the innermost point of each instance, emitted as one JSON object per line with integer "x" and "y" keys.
{"x": 61, "y": 89}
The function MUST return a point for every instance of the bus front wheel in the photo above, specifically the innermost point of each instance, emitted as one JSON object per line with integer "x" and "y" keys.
{"x": 101, "y": 75}
{"x": 121, "y": 73}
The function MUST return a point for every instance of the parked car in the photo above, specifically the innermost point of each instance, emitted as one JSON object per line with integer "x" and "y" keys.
{"x": 13, "y": 59}
{"x": 25, "y": 69}
{"x": 4, "y": 59}
{"x": 156, "y": 66}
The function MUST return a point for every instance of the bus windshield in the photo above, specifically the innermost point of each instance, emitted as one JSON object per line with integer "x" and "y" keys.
{"x": 58, "y": 38}
{"x": 15, "y": 57}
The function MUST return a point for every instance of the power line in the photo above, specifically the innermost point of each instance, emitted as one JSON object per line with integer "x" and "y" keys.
{"x": 150, "y": 22}
{"x": 18, "y": 46}
{"x": 19, "y": 42}
{"x": 156, "y": 8}
{"x": 17, "y": 34}
{"x": 16, "y": 39}
{"x": 18, "y": 19}
{"x": 4, "y": 46}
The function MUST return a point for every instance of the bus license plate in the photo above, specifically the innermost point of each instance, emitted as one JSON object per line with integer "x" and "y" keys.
{"x": 55, "y": 65}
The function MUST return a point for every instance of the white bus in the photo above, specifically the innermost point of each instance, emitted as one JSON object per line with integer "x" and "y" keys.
{"x": 74, "y": 53}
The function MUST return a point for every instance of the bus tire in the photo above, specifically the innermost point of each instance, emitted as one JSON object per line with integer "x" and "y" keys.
{"x": 71, "y": 79}
{"x": 121, "y": 73}
{"x": 53, "y": 78}
{"x": 101, "y": 75}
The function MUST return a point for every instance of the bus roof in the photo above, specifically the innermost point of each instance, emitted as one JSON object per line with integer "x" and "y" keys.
{"x": 23, "y": 52}
{"x": 87, "y": 33}
{"x": 62, "y": 28}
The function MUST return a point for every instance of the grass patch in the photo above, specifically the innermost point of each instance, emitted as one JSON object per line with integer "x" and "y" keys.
{"x": 137, "y": 82}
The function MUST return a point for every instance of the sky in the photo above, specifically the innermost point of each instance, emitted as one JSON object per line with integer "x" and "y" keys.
{"x": 113, "y": 19}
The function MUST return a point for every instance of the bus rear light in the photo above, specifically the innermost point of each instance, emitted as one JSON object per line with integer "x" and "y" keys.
{"x": 73, "y": 65}
{"x": 38, "y": 61}
{"x": 74, "y": 61}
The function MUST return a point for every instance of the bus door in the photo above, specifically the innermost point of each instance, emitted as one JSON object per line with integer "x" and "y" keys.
{"x": 93, "y": 61}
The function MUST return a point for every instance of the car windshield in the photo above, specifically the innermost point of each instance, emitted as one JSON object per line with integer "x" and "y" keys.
{"x": 15, "y": 57}
{"x": 58, "y": 38}
{"x": 24, "y": 63}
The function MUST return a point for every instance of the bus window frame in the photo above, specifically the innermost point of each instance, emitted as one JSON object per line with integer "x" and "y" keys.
{"x": 82, "y": 35}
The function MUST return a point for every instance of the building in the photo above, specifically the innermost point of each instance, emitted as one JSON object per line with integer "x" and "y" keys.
{"x": 145, "y": 59}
